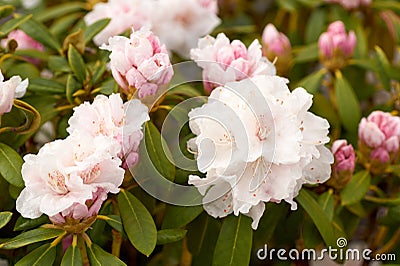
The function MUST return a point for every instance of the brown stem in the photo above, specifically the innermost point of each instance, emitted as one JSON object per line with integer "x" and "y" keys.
{"x": 82, "y": 248}
{"x": 390, "y": 245}
{"x": 116, "y": 243}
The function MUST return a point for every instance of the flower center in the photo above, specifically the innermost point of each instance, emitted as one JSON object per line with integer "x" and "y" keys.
{"x": 57, "y": 182}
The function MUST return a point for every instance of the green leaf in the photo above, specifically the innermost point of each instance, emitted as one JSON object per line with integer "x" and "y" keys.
{"x": 40, "y": 33}
{"x": 327, "y": 202}
{"x": 306, "y": 53}
{"x": 268, "y": 222}
{"x": 40, "y": 85}
{"x": 234, "y": 241}
{"x": 12, "y": 24}
{"x": 5, "y": 217}
{"x": 137, "y": 222}
{"x": 386, "y": 5}
{"x": 318, "y": 215}
{"x": 72, "y": 257}
{"x": 60, "y": 10}
{"x": 95, "y": 28}
{"x": 76, "y": 63}
{"x": 24, "y": 70}
{"x": 356, "y": 189}
{"x": 383, "y": 67}
{"x": 347, "y": 103}
{"x": 59, "y": 64}
{"x": 33, "y": 236}
{"x": 166, "y": 236}
{"x": 115, "y": 222}
{"x": 315, "y": 25}
{"x": 179, "y": 216}
{"x": 63, "y": 24}
{"x": 158, "y": 151}
{"x": 71, "y": 87}
{"x": 26, "y": 223}
{"x": 99, "y": 257}
{"x": 10, "y": 165}
{"x": 43, "y": 255}
{"x": 6, "y": 10}
{"x": 312, "y": 82}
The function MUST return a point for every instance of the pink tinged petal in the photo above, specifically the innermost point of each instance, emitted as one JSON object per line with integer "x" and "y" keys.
{"x": 392, "y": 144}
{"x": 147, "y": 89}
{"x": 381, "y": 155}
{"x": 239, "y": 49}
{"x": 241, "y": 68}
{"x": 325, "y": 44}
{"x": 130, "y": 160}
{"x": 370, "y": 134}
{"x": 351, "y": 43}
{"x": 256, "y": 212}
{"x": 135, "y": 78}
{"x": 225, "y": 56}
{"x": 337, "y": 27}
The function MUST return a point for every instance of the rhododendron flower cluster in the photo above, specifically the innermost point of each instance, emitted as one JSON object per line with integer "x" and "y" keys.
{"x": 257, "y": 142}
{"x": 9, "y": 90}
{"x": 223, "y": 61}
{"x": 189, "y": 19}
{"x": 379, "y": 139}
{"x": 71, "y": 177}
{"x": 140, "y": 62}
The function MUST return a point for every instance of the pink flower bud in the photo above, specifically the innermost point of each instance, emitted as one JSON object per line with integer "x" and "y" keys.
{"x": 24, "y": 41}
{"x": 275, "y": 41}
{"x": 344, "y": 163}
{"x": 139, "y": 62}
{"x": 336, "y": 46}
{"x": 344, "y": 156}
{"x": 379, "y": 138}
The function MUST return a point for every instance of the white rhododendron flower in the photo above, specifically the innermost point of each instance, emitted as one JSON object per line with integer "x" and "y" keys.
{"x": 123, "y": 14}
{"x": 66, "y": 174}
{"x": 224, "y": 61}
{"x": 9, "y": 90}
{"x": 257, "y": 142}
{"x": 109, "y": 116}
{"x": 184, "y": 22}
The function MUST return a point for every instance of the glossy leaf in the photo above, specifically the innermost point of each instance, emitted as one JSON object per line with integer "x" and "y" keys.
{"x": 43, "y": 255}
{"x": 41, "y": 34}
{"x": 60, "y": 10}
{"x": 5, "y": 217}
{"x": 158, "y": 151}
{"x": 306, "y": 53}
{"x": 166, "y": 236}
{"x": 40, "y": 85}
{"x": 179, "y": 216}
{"x": 383, "y": 66}
{"x": 10, "y": 165}
{"x": 313, "y": 81}
{"x": 315, "y": 25}
{"x": 356, "y": 189}
{"x": 33, "y": 236}
{"x": 26, "y": 223}
{"x": 72, "y": 257}
{"x": 347, "y": 103}
{"x": 327, "y": 202}
{"x": 95, "y": 28}
{"x": 12, "y": 24}
{"x": 115, "y": 222}
{"x": 76, "y": 63}
{"x": 234, "y": 242}
{"x": 99, "y": 257}
{"x": 318, "y": 215}
{"x": 137, "y": 222}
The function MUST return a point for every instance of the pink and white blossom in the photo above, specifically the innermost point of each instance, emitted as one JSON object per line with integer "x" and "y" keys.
{"x": 109, "y": 116}
{"x": 275, "y": 41}
{"x": 380, "y": 134}
{"x": 179, "y": 24}
{"x": 223, "y": 61}
{"x": 13, "y": 88}
{"x": 67, "y": 174}
{"x": 139, "y": 62}
{"x": 123, "y": 14}
{"x": 258, "y": 143}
